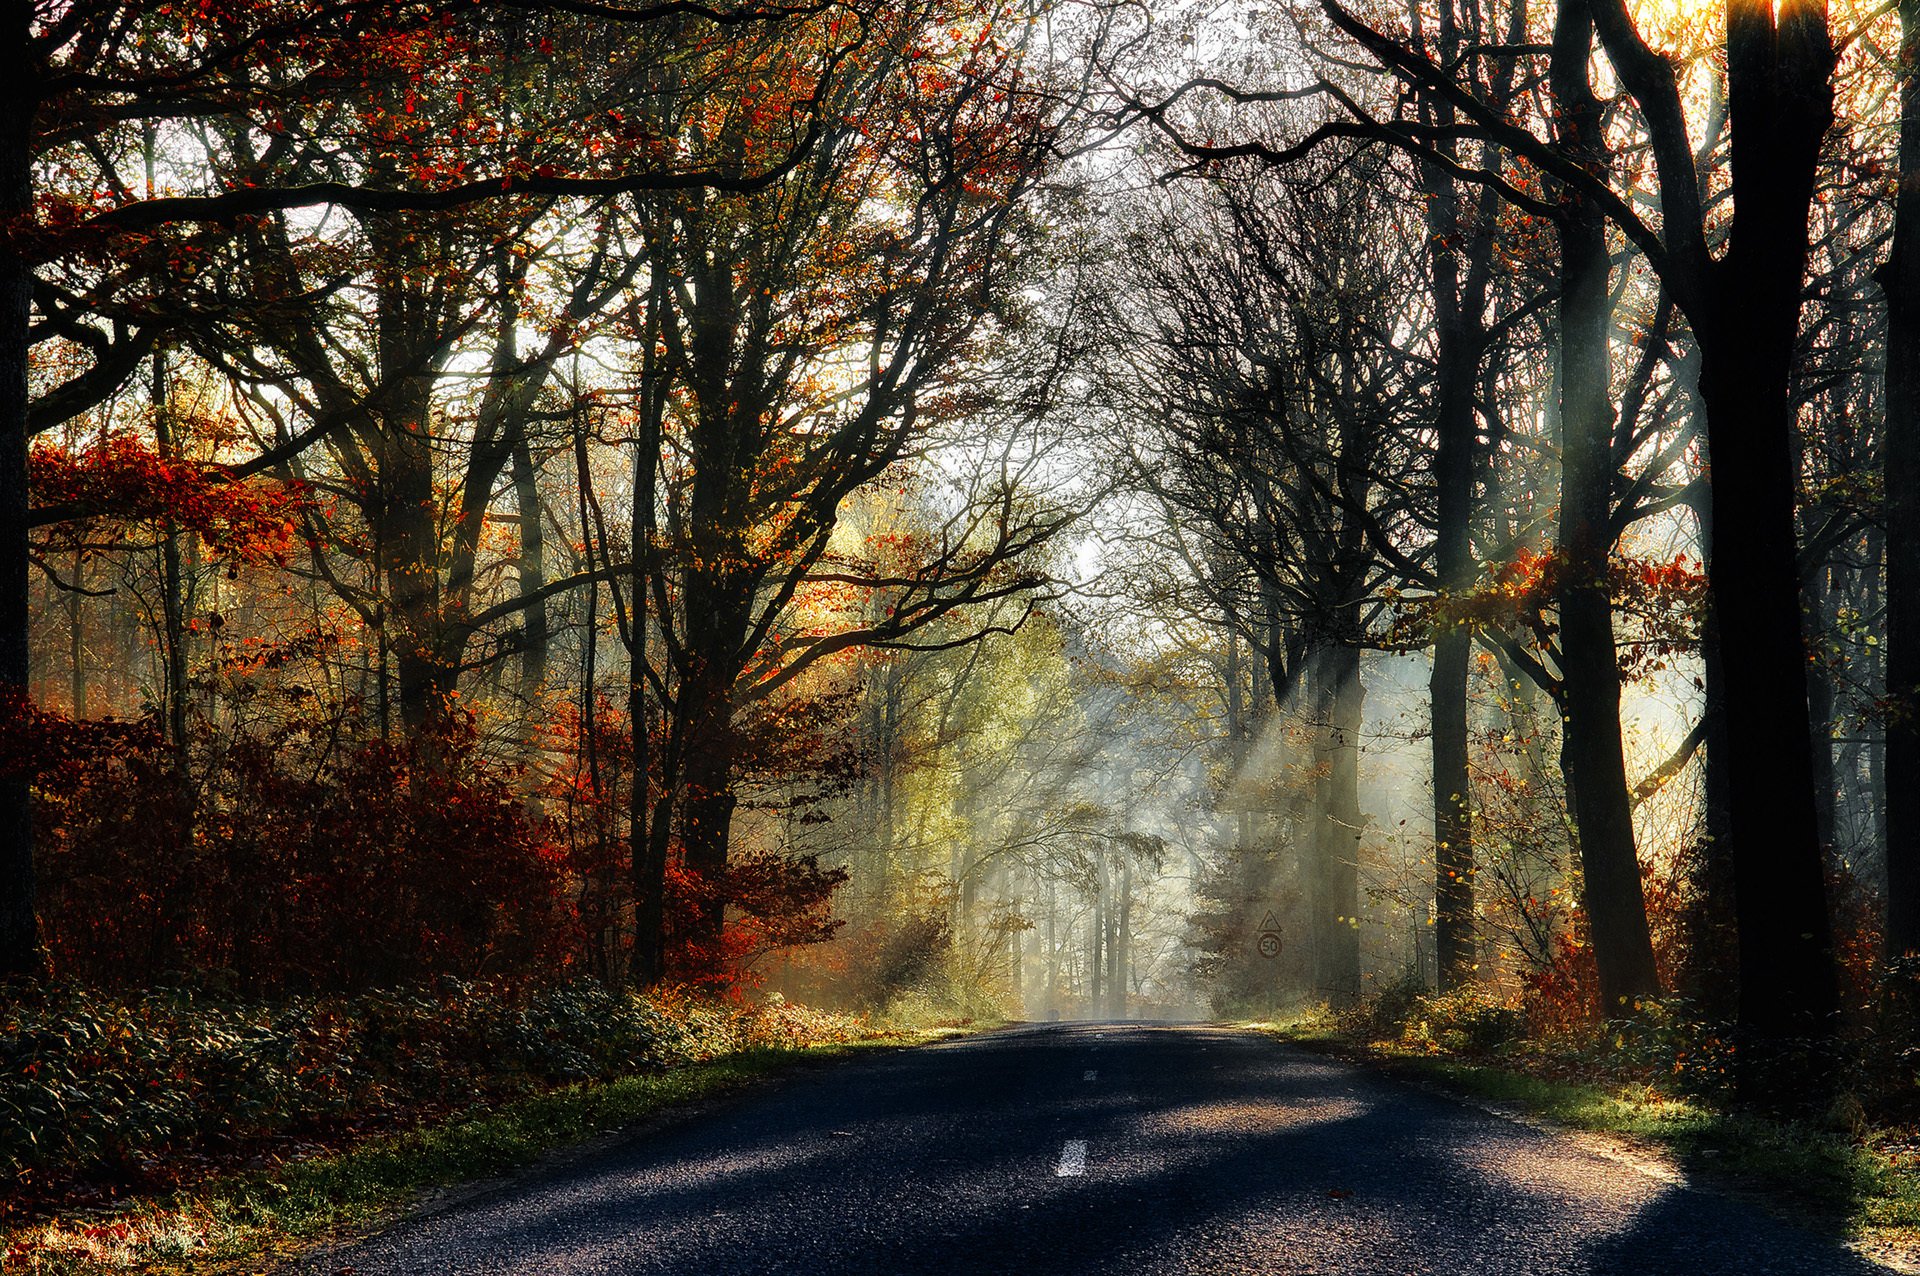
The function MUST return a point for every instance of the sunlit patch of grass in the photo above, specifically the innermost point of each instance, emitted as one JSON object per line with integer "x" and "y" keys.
{"x": 1867, "y": 1186}
{"x": 244, "y": 1221}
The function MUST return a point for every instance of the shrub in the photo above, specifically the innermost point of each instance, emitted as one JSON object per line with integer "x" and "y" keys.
{"x": 1392, "y": 1008}
{"x": 91, "y": 1082}
{"x": 303, "y": 867}
{"x": 1669, "y": 1042}
{"x": 1467, "y": 1019}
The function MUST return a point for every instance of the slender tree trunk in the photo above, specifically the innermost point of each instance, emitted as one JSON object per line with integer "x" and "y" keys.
{"x": 1096, "y": 940}
{"x": 1454, "y": 911}
{"x": 1053, "y": 949}
{"x": 1460, "y": 254}
{"x": 1123, "y": 941}
{"x": 77, "y": 638}
{"x": 1342, "y": 821}
{"x": 20, "y": 955}
{"x": 1452, "y": 824}
{"x": 173, "y": 591}
{"x": 531, "y": 569}
{"x": 1590, "y": 668}
{"x": 1900, "y": 281}
{"x": 412, "y": 542}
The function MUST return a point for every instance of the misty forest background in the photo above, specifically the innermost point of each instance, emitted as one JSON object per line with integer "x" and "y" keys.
{"x": 972, "y": 507}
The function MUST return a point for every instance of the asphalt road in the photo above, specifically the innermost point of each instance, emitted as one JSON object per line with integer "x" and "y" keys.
{"x": 1117, "y": 1148}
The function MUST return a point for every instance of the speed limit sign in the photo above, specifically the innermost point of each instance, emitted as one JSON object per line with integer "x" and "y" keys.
{"x": 1269, "y": 943}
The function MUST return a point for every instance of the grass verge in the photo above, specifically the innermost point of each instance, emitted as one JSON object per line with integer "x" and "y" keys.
{"x": 249, "y": 1222}
{"x": 1863, "y": 1184}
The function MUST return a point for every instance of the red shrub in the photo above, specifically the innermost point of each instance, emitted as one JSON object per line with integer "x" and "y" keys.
{"x": 295, "y": 865}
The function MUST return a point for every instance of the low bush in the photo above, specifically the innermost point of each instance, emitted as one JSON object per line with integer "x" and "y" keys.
{"x": 1471, "y": 1019}
{"x": 1670, "y": 1043}
{"x": 91, "y": 1084}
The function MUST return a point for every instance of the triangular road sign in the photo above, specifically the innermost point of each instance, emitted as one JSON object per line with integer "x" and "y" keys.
{"x": 1269, "y": 922}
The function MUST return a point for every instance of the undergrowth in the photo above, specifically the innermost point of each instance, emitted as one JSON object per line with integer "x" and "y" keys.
{"x": 178, "y": 1131}
{"x": 1660, "y": 1077}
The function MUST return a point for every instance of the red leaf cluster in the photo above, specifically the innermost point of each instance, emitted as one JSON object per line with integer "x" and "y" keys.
{"x": 123, "y": 478}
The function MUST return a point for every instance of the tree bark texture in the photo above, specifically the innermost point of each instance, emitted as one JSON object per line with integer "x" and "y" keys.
{"x": 1458, "y": 258}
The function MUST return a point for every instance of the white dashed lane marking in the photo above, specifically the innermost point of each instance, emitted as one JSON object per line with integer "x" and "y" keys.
{"x": 1073, "y": 1160}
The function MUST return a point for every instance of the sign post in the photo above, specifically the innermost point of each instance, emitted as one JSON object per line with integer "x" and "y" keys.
{"x": 1268, "y": 946}
{"x": 1269, "y": 941}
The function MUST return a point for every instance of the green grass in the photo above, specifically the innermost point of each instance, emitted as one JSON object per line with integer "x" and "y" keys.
{"x": 246, "y": 1222}
{"x": 1863, "y": 1185}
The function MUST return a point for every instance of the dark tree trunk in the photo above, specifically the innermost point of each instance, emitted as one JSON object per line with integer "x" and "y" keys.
{"x": 1781, "y": 103}
{"x": 1712, "y": 937}
{"x": 406, "y": 510}
{"x": 1452, "y": 826}
{"x": 706, "y": 704}
{"x": 650, "y": 815}
{"x": 1460, "y": 340}
{"x": 412, "y": 543}
{"x": 173, "y": 590}
{"x": 20, "y": 955}
{"x": 1900, "y": 280}
{"x": 719, "y": 580}
{"x": 1590, "y": 669}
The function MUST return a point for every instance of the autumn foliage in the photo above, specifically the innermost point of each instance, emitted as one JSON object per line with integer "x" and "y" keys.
{"x": 123, "y": 479}
{"x": 297, "y": 865}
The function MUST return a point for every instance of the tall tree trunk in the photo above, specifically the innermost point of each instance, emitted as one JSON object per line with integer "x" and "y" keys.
{"x": 706, "y": 704}
{"x": 1713, "y": 937}
{"x": 1341, "y": 823}
{"x": 173, "y": 590}
{"x": 1900, "y": 280}
{"x": 20, "y": 955}
{"x": 1589, "y": 661}
{"x": 408, "y": 535}
{"x": 1780, "y": 102}
{"x": 1459, "y": 357}
{"x": 175, "y": 903}
{"x": 650, "y": 815}
{"x": 1453, "y": 924}
{"x": 1096, "y": 940}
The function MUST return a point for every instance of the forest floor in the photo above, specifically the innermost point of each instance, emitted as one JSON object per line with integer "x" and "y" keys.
{"x": 249, "y": 1213}
{"x": 1841, "y": 1174}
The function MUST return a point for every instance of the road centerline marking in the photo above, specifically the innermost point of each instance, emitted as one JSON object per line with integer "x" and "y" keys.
{"x": 1073, "y": 1160}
